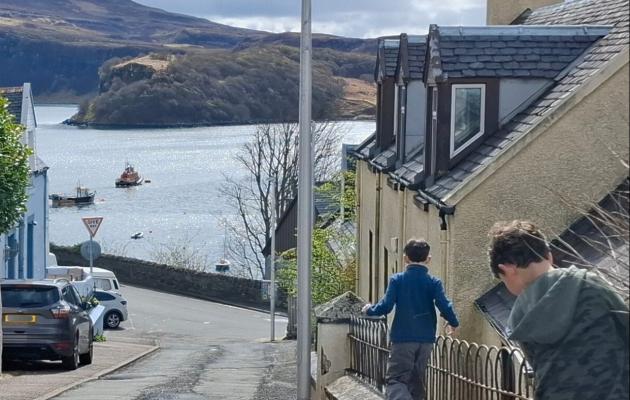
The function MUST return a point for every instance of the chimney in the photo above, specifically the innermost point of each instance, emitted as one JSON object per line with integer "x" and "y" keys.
{"x": 503, "y": 12}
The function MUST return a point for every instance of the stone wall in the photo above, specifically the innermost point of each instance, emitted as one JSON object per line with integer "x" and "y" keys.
{"x": 203, "y": 285}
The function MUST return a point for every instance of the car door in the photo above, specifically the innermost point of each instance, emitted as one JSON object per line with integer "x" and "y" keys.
{"x": 78, "y": 316}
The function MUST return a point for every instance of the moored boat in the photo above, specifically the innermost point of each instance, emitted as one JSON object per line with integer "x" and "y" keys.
{"x": 129, "y": 177}
{"x": 82, "y": 197}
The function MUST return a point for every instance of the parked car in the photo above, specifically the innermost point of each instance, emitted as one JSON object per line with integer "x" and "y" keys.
{"x": 115, "y": 308}
{"x": 45, "y": 320}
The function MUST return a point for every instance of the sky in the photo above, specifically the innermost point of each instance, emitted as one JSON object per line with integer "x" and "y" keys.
{"x": 353, "y": 18}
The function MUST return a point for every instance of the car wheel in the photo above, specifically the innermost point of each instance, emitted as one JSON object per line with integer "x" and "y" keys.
{"x": 72, "y": 362}
{"x": 86, "y": 359}
{"x": 112, "y": 319}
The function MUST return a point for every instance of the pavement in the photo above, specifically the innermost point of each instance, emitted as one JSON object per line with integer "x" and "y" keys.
{"x": 45, "y": 380}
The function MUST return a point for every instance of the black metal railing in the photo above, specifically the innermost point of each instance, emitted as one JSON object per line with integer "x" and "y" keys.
{"x": 369, "y": 350}
{"x": 457, "y": 370}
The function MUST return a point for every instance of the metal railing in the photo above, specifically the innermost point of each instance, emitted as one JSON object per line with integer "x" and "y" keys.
{"x": 369, "y": 350}
{"x": 457, "y": 370}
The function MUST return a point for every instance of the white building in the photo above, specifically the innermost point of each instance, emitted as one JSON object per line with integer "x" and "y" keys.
{"x": 24, "y": 250}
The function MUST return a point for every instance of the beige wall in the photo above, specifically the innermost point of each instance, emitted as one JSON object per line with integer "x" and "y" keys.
{"x": 571, "y": 158}
{"x": 391, "y": 223}
{"x": 503, "y": 12}
{"x": 367, "y": 212}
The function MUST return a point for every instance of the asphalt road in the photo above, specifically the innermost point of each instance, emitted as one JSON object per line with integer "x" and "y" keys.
{"x": 208, "y": 351}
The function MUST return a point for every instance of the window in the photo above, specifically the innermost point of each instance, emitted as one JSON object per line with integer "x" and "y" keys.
{"x": 103, "y": 284}
{"x": 29, "y": 297}
{"x": 68, "y": 296}
{"x": 467, "y": 115}
{"x": 386, "y": 269}
{"x": 104, "y": 296}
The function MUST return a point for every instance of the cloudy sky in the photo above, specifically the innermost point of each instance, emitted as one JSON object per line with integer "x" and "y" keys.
{"x": 356, "y": 18}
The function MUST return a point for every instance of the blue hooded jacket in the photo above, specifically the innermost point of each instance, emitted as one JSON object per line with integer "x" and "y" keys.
{"x": 415, "y": 294}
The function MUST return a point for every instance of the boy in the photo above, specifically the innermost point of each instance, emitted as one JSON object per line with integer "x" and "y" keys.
{"x": 571, "y": 325}
{"x": 415, "y": 294}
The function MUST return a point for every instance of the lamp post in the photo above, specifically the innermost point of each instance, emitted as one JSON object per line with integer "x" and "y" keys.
{"x": 305, "y": 210}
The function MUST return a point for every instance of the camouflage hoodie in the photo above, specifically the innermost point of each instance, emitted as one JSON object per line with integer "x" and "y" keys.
{"x": 574, "y": 331}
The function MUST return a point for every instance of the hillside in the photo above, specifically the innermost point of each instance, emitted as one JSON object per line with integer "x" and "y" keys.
{"x": 60, "y": 45}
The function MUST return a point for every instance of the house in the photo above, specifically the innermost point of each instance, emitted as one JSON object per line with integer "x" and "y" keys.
{"x": 25, "y": 248}
{"x": 498, "y": 122}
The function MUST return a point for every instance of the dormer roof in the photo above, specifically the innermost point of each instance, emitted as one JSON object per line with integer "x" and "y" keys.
{"x": 411, "y": 57}
{"x": 386, "y": 58}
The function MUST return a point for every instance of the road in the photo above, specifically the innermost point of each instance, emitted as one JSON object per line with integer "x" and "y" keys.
{"x": 208, "y": 351}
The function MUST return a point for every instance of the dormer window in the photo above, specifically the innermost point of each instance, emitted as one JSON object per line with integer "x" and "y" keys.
{"x": 467, "y": 115}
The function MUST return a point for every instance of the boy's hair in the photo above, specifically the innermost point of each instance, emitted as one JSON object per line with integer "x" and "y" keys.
{"x": 518, "y": 242}
{"x": 417, "y": 250}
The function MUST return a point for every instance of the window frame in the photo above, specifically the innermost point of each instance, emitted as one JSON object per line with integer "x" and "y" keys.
{"x": 482, "y": 115}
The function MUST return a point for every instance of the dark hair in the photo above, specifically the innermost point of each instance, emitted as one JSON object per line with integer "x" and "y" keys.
{"x": 417, "y": 250}
{"x": 518, "y": 242}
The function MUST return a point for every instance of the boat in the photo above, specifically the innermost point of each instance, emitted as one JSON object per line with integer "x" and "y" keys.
{"x": 82, "y": 197}
{"x": 223, "y": 265}
{"x": 137, "y": 235}
{"x": 129, "y": 177}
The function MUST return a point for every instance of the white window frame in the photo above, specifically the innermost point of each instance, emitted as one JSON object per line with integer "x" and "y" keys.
{"x": 482, "y": 115}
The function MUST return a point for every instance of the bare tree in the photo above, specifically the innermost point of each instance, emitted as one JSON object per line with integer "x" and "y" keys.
{"x": 270, "y": 157}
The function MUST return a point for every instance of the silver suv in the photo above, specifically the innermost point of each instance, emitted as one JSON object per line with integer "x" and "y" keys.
{"x": 45, "y": 320}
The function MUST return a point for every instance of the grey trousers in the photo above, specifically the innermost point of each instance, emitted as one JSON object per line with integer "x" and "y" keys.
{"x": 406, "y": 369}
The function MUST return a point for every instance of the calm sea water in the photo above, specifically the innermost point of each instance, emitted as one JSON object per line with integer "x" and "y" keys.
{"x": 181, "y": 205}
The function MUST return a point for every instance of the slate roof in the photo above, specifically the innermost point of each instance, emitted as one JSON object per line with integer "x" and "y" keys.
{"x": 410, "y": 172}
{"x": 608, "y": 12}
{"x": 14, "y": 96}
{"x": 366, "y": 148}
{"x": 496, "y": 305}
{"x": 388, "y": 49}
{"x": 593, "y": 240}
{"x": 512, "y": 51}
{"x": 416, "y": 56}
{"x": 386, "y": 159}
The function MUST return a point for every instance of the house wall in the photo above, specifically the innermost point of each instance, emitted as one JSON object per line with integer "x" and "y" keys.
{"x": 367, "y": 222}
{"x": 573, "y": 158}
{"x": 38, "y": 212}
{"x": 391, "y": 221}
{"x": 416, "y": 116}
{"x": 503, "y": 12}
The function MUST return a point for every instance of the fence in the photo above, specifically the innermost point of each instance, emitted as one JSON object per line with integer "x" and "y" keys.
{"x": 457, "y": 370}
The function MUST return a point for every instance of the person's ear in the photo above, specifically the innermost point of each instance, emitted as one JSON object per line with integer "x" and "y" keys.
{"x": 507, "y": 269}
{"x": 428, "y": 259}
{"x": 549, "y": 257}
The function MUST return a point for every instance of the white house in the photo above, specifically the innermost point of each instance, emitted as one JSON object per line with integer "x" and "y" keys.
{"x": 24, "y": 250}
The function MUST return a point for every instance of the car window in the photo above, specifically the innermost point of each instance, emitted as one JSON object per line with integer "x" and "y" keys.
{"x": 76, "y": 295}
{"x": 116, "y": 284}
{"x": 67, "y": 295}
{"x": 25, "y": 297}
{"x": 103, "y": 284}
{"x": 103, "y": 296}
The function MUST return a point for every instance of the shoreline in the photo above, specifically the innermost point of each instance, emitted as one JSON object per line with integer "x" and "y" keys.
{"x": 92, "y": 125}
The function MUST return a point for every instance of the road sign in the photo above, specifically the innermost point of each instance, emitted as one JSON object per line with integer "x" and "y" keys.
{"x": 92, "y": 224}
{"x": 90, "y": 250}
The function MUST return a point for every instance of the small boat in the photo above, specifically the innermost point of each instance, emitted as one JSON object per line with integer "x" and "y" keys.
{"x": 82, "y": 197}
{"x": 137, "y": 235}
{"x": 223, "y": 265}
{"x": 129, "y": 177}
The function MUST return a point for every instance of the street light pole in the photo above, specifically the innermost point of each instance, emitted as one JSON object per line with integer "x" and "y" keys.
{"x": 305, "y": 211}
{"x": 272, "y": 273}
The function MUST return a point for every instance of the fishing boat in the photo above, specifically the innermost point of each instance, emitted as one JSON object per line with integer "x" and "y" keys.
{"x": 82, "y": 197}
{"x": 129, "y": 177}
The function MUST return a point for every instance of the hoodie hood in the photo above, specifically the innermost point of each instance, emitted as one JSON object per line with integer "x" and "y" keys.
{"x": 544, "y": 312}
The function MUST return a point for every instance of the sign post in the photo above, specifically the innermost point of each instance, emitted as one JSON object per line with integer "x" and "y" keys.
{"x": 92, "y": 224}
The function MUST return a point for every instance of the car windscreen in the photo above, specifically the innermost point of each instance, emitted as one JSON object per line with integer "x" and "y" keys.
{"x": 25, "y": 297}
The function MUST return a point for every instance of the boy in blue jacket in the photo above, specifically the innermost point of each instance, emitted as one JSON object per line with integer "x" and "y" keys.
{"x": 415, "y": 294}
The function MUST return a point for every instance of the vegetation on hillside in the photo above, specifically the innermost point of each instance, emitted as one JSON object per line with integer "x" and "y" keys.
{"x": 14, "y": 169}
{"x": 257, "y": 84}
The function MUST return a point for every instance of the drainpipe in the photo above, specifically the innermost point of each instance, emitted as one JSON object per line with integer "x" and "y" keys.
{"x": 357, "y": 194}
{"x": 444, "y": 247}
{"x": 377, "y": 235}
{"x": 401, "y": 238}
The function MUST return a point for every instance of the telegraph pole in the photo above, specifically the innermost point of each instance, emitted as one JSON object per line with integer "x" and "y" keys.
{"x": 305, "y": 211}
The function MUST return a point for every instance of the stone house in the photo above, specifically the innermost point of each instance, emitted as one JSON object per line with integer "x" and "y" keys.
{"x": 24, "y": 250}
{"x": 480, "y": 124}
